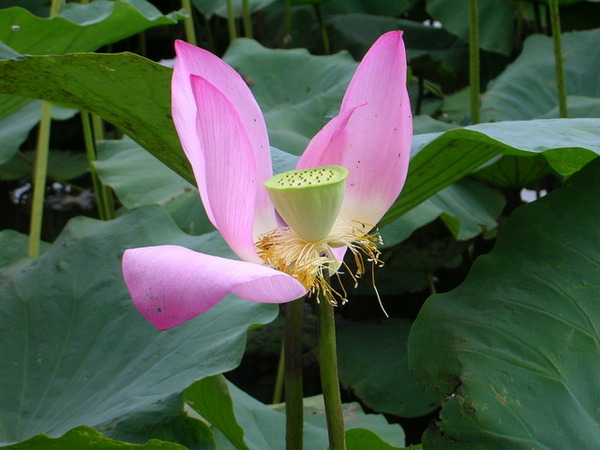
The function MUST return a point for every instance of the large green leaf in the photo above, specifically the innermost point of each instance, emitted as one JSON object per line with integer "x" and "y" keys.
{"x": 513, "y": 351}
{"x": 382, "y": 434}
{"x": 15, "y": 128}
{"x": 85, "y": 438}
{"x": 76, "y": 351}
{"x": 357, "y": 32}
{"x": 527, "y": 88}
{"x": 361, "y": 438}
{"x": 441, "y": 159}
{"x": 173, "y": 425}
{"x": 219, "y": 7}
{"x": 139, "y": 179}
{"x": 514, "y": 172}
{"x": 249, "y": 424}
{"x": 298, "y": 94}
{"x": 242, "y": 420}
{"x": 115, "y": 87}
{"x": 467, "y": 207}
{"x": 378, "y": 373}
{"x": 496, "y": 22}
{"x": 79, "y": 28}
{"x": 374, "y": 7}
{"x": 14, "y": 246}
{"x": 62, "y": 165}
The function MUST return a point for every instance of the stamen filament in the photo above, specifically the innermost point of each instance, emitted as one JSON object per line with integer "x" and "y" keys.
{"x": 313, "y": 263}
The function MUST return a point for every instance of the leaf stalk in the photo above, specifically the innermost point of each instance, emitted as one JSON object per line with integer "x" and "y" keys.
{"x": 292, "y": 355}
{"x": 474, "y": 82}
{"x": 329, "y": 375}
{"x": 558, "y": 58}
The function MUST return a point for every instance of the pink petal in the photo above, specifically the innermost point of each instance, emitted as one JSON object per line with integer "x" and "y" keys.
{"x": 193, "y": 60}
{"x": 170, "y": 285}
{"x": 328, "y": 146}
{"x": 230, "y": 179}
{"x": 372, "y": 141}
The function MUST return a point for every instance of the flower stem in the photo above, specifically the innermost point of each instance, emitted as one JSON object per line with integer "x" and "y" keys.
{"x": 231, "y": 22}
{"x": 294, "y": 408}
{"x": 190, "y": 32}
{"x": 474, "y": 60}
{"x": 55, "y": 6}
{"x": 329, "y": 376}
{"x": 97, "y": 127}
{"x": 246, "y": 18}
{"x": 278, "y": 390}
{"x": 324, "y": 35}
{"x": 40, "y": 169}
{"x": 558, "y": 57}
{"x": 103, "y": 194}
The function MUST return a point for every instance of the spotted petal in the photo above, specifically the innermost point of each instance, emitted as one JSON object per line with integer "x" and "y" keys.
{"x": 231, "y": 183}
{"x": 170, "y": 285}
{"x": 372, "y": 141}
{"x": 193, "y": 60}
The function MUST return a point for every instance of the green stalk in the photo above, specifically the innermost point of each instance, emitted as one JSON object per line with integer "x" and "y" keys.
{"x": 247, "y": 19}
{"x": 105, "y": 210}
{"x": 107, "y": 195}
{"x": 474, "y": 60}
{"x": 231, "y": 22}
{"x": 278, "y": 390}
{"x": 329, "y": 375}
{"x": 55, "y": 6}
{"x": 97, "y": 127}
{"x": 294, "y": 408}
{"x": 40, "y": 169}
{"x": 190, "y": 32}
{"x": 324, "y": 35}
{"x": 558, "y": 58}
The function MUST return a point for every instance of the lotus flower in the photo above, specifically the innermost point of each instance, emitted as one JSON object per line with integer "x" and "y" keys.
{"x": 290, "y": 231}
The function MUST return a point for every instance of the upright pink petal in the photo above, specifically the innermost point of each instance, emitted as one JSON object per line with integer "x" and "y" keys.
{"x": 231, "y": 183}
{"x": 374, "y": 142}
{"x": 193, "y": 60}
{"x": 170, "y": 285}
{"x": 328, "y": 146}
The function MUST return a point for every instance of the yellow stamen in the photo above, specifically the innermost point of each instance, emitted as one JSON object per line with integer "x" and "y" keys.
{"x": 313, "y": 263}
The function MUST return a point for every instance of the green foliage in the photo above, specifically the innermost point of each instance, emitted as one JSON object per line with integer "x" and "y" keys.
{"x": 520, "y": 332}
{"x": 219, "y": 8}
{"x": 507, "y": 354}
{"x": 15, "y": 128}
{"x": 138, "y": 179}
{"x": 439, "y": 160}
{"x": 496, "y": 22}
{"x": 466, "y": 207}
{"x": 112, "y": 86}
{"x": 79, "y": 28}
{"x": 365, "y": 367}
{"x": 97, "y": 359}
{"x": 517, "y": 93}
{"x": 14, "y": 246}
{"x": 248, "y": 424}
{"x": 85, "y": 438}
